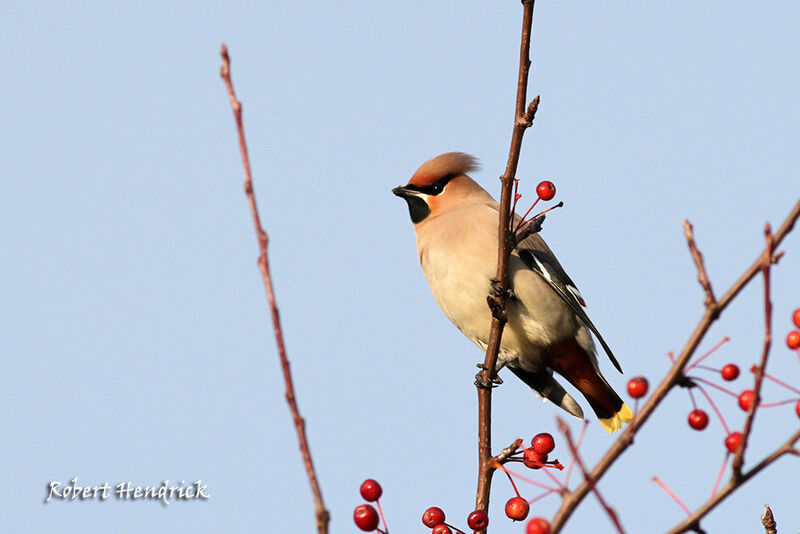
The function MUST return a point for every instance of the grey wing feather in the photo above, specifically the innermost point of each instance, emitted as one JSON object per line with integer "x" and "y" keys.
{"x": 546, "y": 386}
{"x": 539, "y": 258}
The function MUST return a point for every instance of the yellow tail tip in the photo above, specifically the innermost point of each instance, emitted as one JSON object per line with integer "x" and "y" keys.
{"x": 612, "y": 424}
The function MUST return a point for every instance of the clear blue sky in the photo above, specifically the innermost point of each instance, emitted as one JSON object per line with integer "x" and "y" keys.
{"x": 133, "y": 325}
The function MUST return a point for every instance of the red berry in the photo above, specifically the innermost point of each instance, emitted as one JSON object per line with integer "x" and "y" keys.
{"x": 698, "y": 419}
{"x": 793, "y": 340}
{"x": 371, "y": 490}
{"x": 733, "y": 442}
{"x": 366, "y": 517}
{"x": 533, "y": 459}
{"x": 746, "y": 399}
{"x": 432, "y": 517}
{"x": 797, "y": 408}
{"x": 796, "y": 317}
{"x": 478, "y": 520}
{"x": 543, "y": 443}
{"x": 730, "y": 372}
{"x": 441, "y": 529}
{"x": 637, "y": 387}
{"x": 538, "y": 525}
{"x": 517, "y": 508}
{"x": 546, "y": 190}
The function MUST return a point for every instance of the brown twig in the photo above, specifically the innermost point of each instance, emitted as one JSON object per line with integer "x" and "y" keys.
{"x": 508, "y": 452}
{"x": 573, "y": 449}
{"x": 498, "y": 301}
{"x": 697, "y": 256}
{"x": 769, "y": 250}
{"x": 322, "y": 515}
{"x": 691, "y": 522}
{"x": 768, "y": 521}
{"x": 673, "y": 377}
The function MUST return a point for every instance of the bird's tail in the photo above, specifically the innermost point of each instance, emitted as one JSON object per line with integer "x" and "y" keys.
{"x": 574, "y": 363}
{"x": 615, "y": 422}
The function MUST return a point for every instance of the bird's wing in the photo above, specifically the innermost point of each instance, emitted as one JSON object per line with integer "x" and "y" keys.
{"x": 538, "y": 257}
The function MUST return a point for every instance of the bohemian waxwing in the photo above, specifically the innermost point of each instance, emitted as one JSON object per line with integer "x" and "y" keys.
{"x": 456, "y": 220}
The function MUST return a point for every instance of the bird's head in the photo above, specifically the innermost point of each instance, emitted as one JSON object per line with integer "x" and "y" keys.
{"x": 439, "y": 184}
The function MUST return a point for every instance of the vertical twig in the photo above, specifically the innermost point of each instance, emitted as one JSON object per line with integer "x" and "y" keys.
{"x": 522, "y": 121}
{"x": 322, "y": 514}
{"x": 738, "y": 459}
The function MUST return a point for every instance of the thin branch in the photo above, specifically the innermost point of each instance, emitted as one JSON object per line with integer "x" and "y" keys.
{"x": 322, "y": 515}
{"x": 505, "y": 237}
{"x": 738, "y": 460}
{"x": 509, "y": 451}
{"x": 612, "y": 514}
{"x": 693, "y": 521}
{"x": 697, "y": 256}
{"x": 673, "y": 377}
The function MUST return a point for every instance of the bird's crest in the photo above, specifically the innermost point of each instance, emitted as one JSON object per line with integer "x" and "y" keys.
{"x": 451, "y": 163}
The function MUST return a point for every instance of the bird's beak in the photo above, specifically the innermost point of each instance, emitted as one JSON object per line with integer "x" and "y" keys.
{"x": 401, "y": 191}
{"x": 417, "y": 207}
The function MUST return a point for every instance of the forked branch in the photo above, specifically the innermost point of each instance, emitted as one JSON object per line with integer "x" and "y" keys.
{"x": 675, "y": 375}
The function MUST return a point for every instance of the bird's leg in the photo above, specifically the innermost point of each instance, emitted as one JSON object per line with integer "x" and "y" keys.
{"x": 494, "y": 381}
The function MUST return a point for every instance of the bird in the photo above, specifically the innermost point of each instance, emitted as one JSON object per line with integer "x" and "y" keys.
{"x": 548, "y": 331}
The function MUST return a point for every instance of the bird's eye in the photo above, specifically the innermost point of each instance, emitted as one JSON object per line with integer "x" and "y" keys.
{"x": 437, "y": 188}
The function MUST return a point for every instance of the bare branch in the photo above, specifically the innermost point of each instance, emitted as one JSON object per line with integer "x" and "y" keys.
{"x": 505, "y": 236}
{"x": 612, "y": 514}
{"x": 738, "y": 459}
{"x": 697, "y": 256}
{"x": 673, "y": 377}
{"x": 322, "y": 515}
{"x": 692, "y": 522}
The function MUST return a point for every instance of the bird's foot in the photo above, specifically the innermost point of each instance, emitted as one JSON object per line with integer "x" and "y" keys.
{"x": 496, "y": 290}
{"x": 494, "y": 382}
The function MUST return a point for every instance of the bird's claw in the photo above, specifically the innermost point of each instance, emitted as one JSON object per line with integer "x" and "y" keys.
{"x": 493, "y": 383}
{"x": 496, "y": 290}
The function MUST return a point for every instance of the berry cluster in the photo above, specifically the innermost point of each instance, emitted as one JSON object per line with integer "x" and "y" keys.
{"x": 517, "y": 508}
{"x": 365, "y": 516}
{"x": 698, "y": 419}
{"x": 434, "y": 518}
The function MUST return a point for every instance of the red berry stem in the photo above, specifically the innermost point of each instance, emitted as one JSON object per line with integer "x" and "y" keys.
{"x": 778, "y": 381}
{"x": 522, "y": 220}
{"x": 454, "y": 529}
{"x": 383, "y": 519}
{"x": 691, "y": 396}
{"x": 716, "y": 386}
{"x": 719, "y": 476}
{"x": 707, "y": 354}
{"x": 707, "y": 368}
{"x": 716, "y": 410}
{"x": 577, "y": 448}
{"x": 498, "y": 465}
{"x": 554, "y": 479}
{"x": 674, "y": 497}
{"x": 780, "y": 403}
{"x": 531, "y": 481}
{"x": 540, "y": 497}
